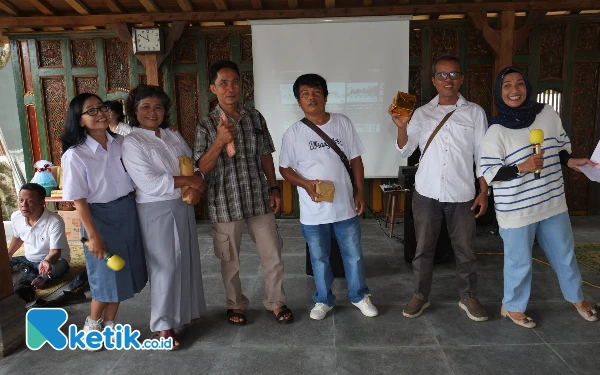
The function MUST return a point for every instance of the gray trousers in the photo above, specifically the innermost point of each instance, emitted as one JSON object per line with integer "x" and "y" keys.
{"x": 428, "y": 214}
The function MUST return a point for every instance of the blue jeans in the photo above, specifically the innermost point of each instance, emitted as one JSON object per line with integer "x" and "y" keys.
{"x": 347, "y": 234}
{"x": 556, "y": 239}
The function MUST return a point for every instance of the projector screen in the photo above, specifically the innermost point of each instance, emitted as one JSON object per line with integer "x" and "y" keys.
{"x": 363, "y": 60}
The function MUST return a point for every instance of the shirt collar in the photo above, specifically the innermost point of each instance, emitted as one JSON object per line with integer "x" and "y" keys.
{"x": 42, "y": 216}
{"x": 218, "y": 110}
{"x": 459, "y": 103}
{"x": 93, "y": 144}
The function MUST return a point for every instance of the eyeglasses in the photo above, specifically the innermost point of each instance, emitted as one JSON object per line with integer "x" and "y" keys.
{"x": 443, "y": 75}
{"x": 94, "y": 111}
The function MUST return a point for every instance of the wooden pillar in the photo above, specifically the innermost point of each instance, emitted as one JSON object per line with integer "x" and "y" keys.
{"x": 150, "y": 62}
{"x": 6, "y": 287}
{"x": 507, "y": 32}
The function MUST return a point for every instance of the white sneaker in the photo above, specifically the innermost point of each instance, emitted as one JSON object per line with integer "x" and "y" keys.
{"x": 366, "y": 307}
{"x": 113, "y": 339}
{"x": 319, "y": 311}
{"x": 92, "y": 325}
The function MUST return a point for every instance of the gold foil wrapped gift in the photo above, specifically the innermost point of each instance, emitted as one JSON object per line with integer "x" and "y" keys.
{"x": 326, "y": 190}
{"x": 404, "y": 104}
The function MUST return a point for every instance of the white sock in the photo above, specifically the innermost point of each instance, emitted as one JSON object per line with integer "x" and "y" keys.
{"x": 107, "y": 322}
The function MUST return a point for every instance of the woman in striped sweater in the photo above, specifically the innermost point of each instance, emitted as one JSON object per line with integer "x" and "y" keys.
{"x": 527, "y": 207}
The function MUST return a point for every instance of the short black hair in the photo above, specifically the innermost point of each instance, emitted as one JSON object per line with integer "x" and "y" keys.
{"x": 37, "y": 188}
{"x": 141, "y": 92}
{"x": 448, "y": 58}
{"x": 116, "y": 107}
{"x": 310, "y": 80}
{"x": 215, "y": 67}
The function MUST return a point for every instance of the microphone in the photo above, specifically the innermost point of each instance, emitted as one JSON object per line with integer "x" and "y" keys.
{"x": 536, "y": 138}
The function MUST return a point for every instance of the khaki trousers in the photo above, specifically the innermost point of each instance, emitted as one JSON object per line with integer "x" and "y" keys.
{"x": 227, "y": 238}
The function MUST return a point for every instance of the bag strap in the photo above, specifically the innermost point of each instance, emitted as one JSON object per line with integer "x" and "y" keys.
{"x": 333, "y": 146}
{"x": 436, "y": 131}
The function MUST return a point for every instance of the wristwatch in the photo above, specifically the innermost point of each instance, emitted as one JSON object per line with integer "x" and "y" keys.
{"x": 274, "y": 188}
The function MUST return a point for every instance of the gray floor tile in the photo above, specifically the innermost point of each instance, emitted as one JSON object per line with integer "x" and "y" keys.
{"x": 389, "y": 329}
{"x": 582, "y": 358}
{"x": 277, "y": 361}
{"x": 211, "y": 330}
{"x": 453, "y": 327}
{"x": 559, "y": 322}
{"x": 392, "y": 361}
{"x": 509, "y": 359}
{"x": 191, "y": 360}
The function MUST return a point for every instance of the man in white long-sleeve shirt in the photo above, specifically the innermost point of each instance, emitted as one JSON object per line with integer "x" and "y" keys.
{"x": 444, "y": 185}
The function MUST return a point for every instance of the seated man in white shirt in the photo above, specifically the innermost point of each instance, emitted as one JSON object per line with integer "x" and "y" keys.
{"x": 444, "y": 185}
{"x": 47, "y": 252}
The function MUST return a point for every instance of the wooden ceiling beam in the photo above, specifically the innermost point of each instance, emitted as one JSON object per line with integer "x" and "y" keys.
{"x": 8, "y": 8}
{"x": 150, "y": 6}
{"x": 257, "y": 4}
{"x": 42, "y": 7}
{"x": 293, "y": 4}
{"x": 220, "y": 4}
{"x": 367, "y": 3}
{"x": 113, "y": 6}
{"x": 185, "y": 5}
{"x": 79, "y": 7}
{"x": 221, "y": 16}
{"x": 329, "y": 4}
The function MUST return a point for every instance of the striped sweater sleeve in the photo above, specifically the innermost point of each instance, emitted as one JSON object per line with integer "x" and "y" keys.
{"x": 492, "y": 155}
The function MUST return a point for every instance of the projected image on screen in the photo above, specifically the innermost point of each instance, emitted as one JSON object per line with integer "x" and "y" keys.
{"x": 362, "y": 77}
{"x": 363, "y": 92}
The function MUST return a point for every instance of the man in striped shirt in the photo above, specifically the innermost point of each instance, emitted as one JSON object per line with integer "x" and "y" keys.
{"x": 241, "y": 189}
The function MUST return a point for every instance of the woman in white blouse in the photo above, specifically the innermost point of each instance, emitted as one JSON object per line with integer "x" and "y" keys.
{"x": 95, "y": 179}
{"x": 150, "y": 154}
{"x": 116, "y": 118}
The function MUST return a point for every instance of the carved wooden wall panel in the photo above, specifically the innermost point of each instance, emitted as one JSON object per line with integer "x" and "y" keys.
{"x": 444, "y": 41}
{"x": 218, "y": 47}
{"x": 414, "y": 83}
{"x": 588, "y": 37}
{"x": 246, "y": 48}
{"x": 477, "y": 46}
{"x": 552, "y": 45}
{"x": 582, "y": 133}
{"x": 117, "y": 66}
{"x": 83, "y": 53}
{"x": 185, "y": 51}
{"x": 480, "y": 81}
{"x": 54, "y": 93}
{"x": 187, "y": 105}
{"x": 415, "y": 43}
{"x": 33, "y": 133}
{"x": 247, "y": 87}
{"x": 50, "y": 53}
{"x": 87, "y": 85}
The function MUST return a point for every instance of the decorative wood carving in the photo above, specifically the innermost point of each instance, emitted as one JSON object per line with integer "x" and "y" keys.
{"x": 588, "y": 37}
{"x": 479, "y": 86}
{"x": 415, "y": 43}
{"x": 477, "y": 45}
{"x": 26, "y": 68}
{"x": 83, "y": 52}
{"x": 54, "y": 93}
{"x": 582, "y": 133}
{"x": 50, "y": 53}
{"x": 87, "y": 85}
{"x": 444, "y": 41}
{"x": 185, "y": 51}
{"x": 248, "y": 86}
{"x": 552, "y": 43}
{"x": 188, "y": 112}
{"x": 218, "y": 47}
{"x": 117, "y": 65}
{"x": 246, "y": 48}
{"x": 414, "y": 83}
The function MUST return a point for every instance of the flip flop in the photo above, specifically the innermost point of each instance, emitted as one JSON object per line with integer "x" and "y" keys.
{"x": 232, "y": 314}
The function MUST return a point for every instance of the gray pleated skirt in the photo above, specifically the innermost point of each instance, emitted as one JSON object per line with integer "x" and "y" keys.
{"x": 118, "y": 226}
{"x": 173, "y": 258}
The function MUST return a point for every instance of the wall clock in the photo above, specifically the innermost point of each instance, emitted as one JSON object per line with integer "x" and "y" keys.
{"x": 147, "y": 40}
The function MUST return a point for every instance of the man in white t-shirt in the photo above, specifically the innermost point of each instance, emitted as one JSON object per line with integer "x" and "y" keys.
{"x": 47, "y": 253}
{"x": 305, "y": 159}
